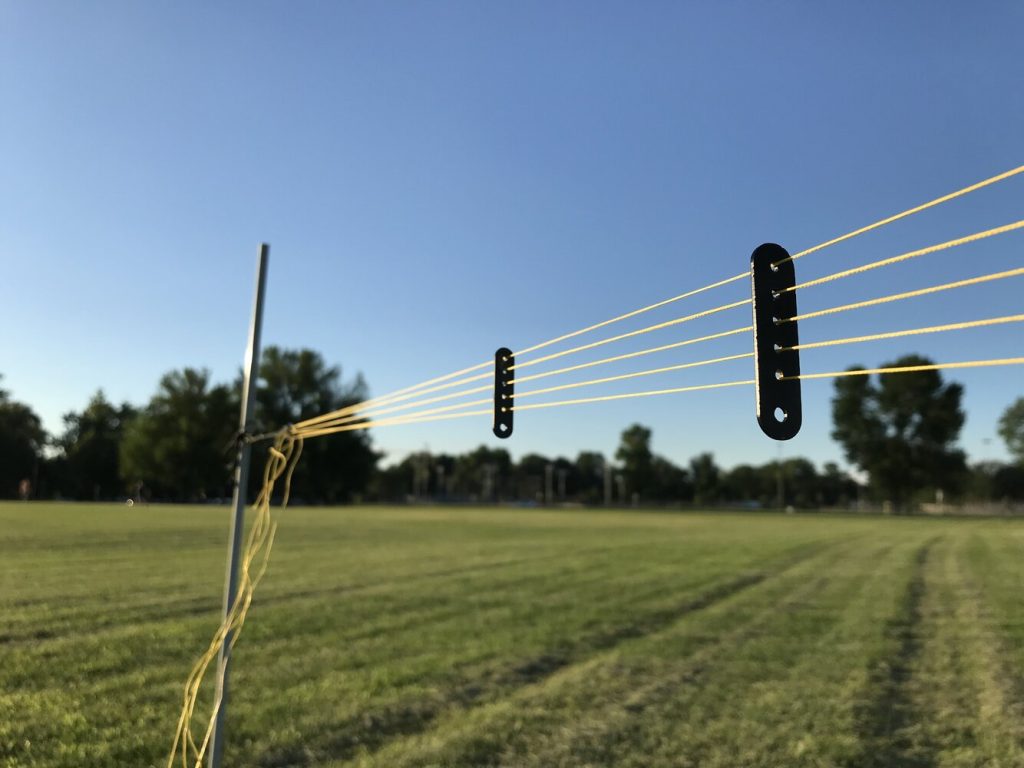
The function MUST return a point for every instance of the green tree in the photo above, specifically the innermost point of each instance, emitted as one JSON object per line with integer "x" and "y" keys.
{"x": 91, "y": 446}
{"x": 747, "y": 484}
{"x": 485, "y": 474}
{"x": 179, "y": 445}
{"x": 1008, "y": 483}
{"x": 671, "y": 482}
{"x": 411, "y": 478}
{"x": 634, "y": 452}
{"x": 800, "y": 483}
{"x": 1011, "y": 429}
{"x": 901, "y": 430}
{"x": 443, "y": 477}
{"x": 707, "y": 482}
{"x": 995, "y": 481}
{"x": 21, "y": 444}
{"x": 392, "y": 483}
{"x": 530, "y": 473}
{"x": 295, "y": 385}
{"x": 653, "y": 477}
{"x": 589, "y": 473}
{"x": 564, "y": 482}
{"x": 836, "y": 488}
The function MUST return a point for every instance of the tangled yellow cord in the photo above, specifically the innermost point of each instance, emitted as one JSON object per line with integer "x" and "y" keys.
{"x": 284, "y": 455}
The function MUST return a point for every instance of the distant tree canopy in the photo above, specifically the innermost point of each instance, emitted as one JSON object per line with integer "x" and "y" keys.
{"x": 636, "y": 458}
{"x": 90, "y": 449}
{"x": 295, "y": 385}
{"x": 178, "y": 445}
{"x": 181, "y": 445}
{"x": 489, "y": 474}
{"x": 901, "y": 430}
{"x": 793, "y": 482}
{"x": 993, "y": 481}
{"x": 651, "y": 477}
{"x": 21, "y": 443}
{"x": 1011, "y": 429}
{"x": 707, "y": 485}
{"x": 589, "y": 477}
{"x": 483, "y": 474}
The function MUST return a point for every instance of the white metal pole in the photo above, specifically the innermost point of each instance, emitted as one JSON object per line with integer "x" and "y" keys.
{"x": 250, "y": 373}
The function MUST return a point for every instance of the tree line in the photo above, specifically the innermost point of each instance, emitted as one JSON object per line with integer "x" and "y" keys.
{"x": 633, "y": 476}
{"x": 900, "y": 431}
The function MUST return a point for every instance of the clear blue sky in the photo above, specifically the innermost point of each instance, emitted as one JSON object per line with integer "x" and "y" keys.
{"x": 440, "y": 179}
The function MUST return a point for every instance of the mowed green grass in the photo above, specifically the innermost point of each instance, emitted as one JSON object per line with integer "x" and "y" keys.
{"x": 457, "y": 637}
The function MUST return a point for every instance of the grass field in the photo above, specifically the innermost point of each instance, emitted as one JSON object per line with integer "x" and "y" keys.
{"x": 420, "y": 637}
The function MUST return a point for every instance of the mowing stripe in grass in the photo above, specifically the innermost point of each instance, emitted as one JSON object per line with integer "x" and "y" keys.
{"x": 888, "y": 711}
{"x": 749, "y": 693}
{"x": 409, "y": 713}
{"x": 626, "y": 674}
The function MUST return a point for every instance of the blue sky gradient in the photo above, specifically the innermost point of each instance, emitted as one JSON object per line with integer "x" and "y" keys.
{"x": 440, "y": 179}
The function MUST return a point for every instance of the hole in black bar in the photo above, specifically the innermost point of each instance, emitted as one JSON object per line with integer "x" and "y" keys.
{"x": 779, "y": 375}
{"x": 780, "y": 415}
